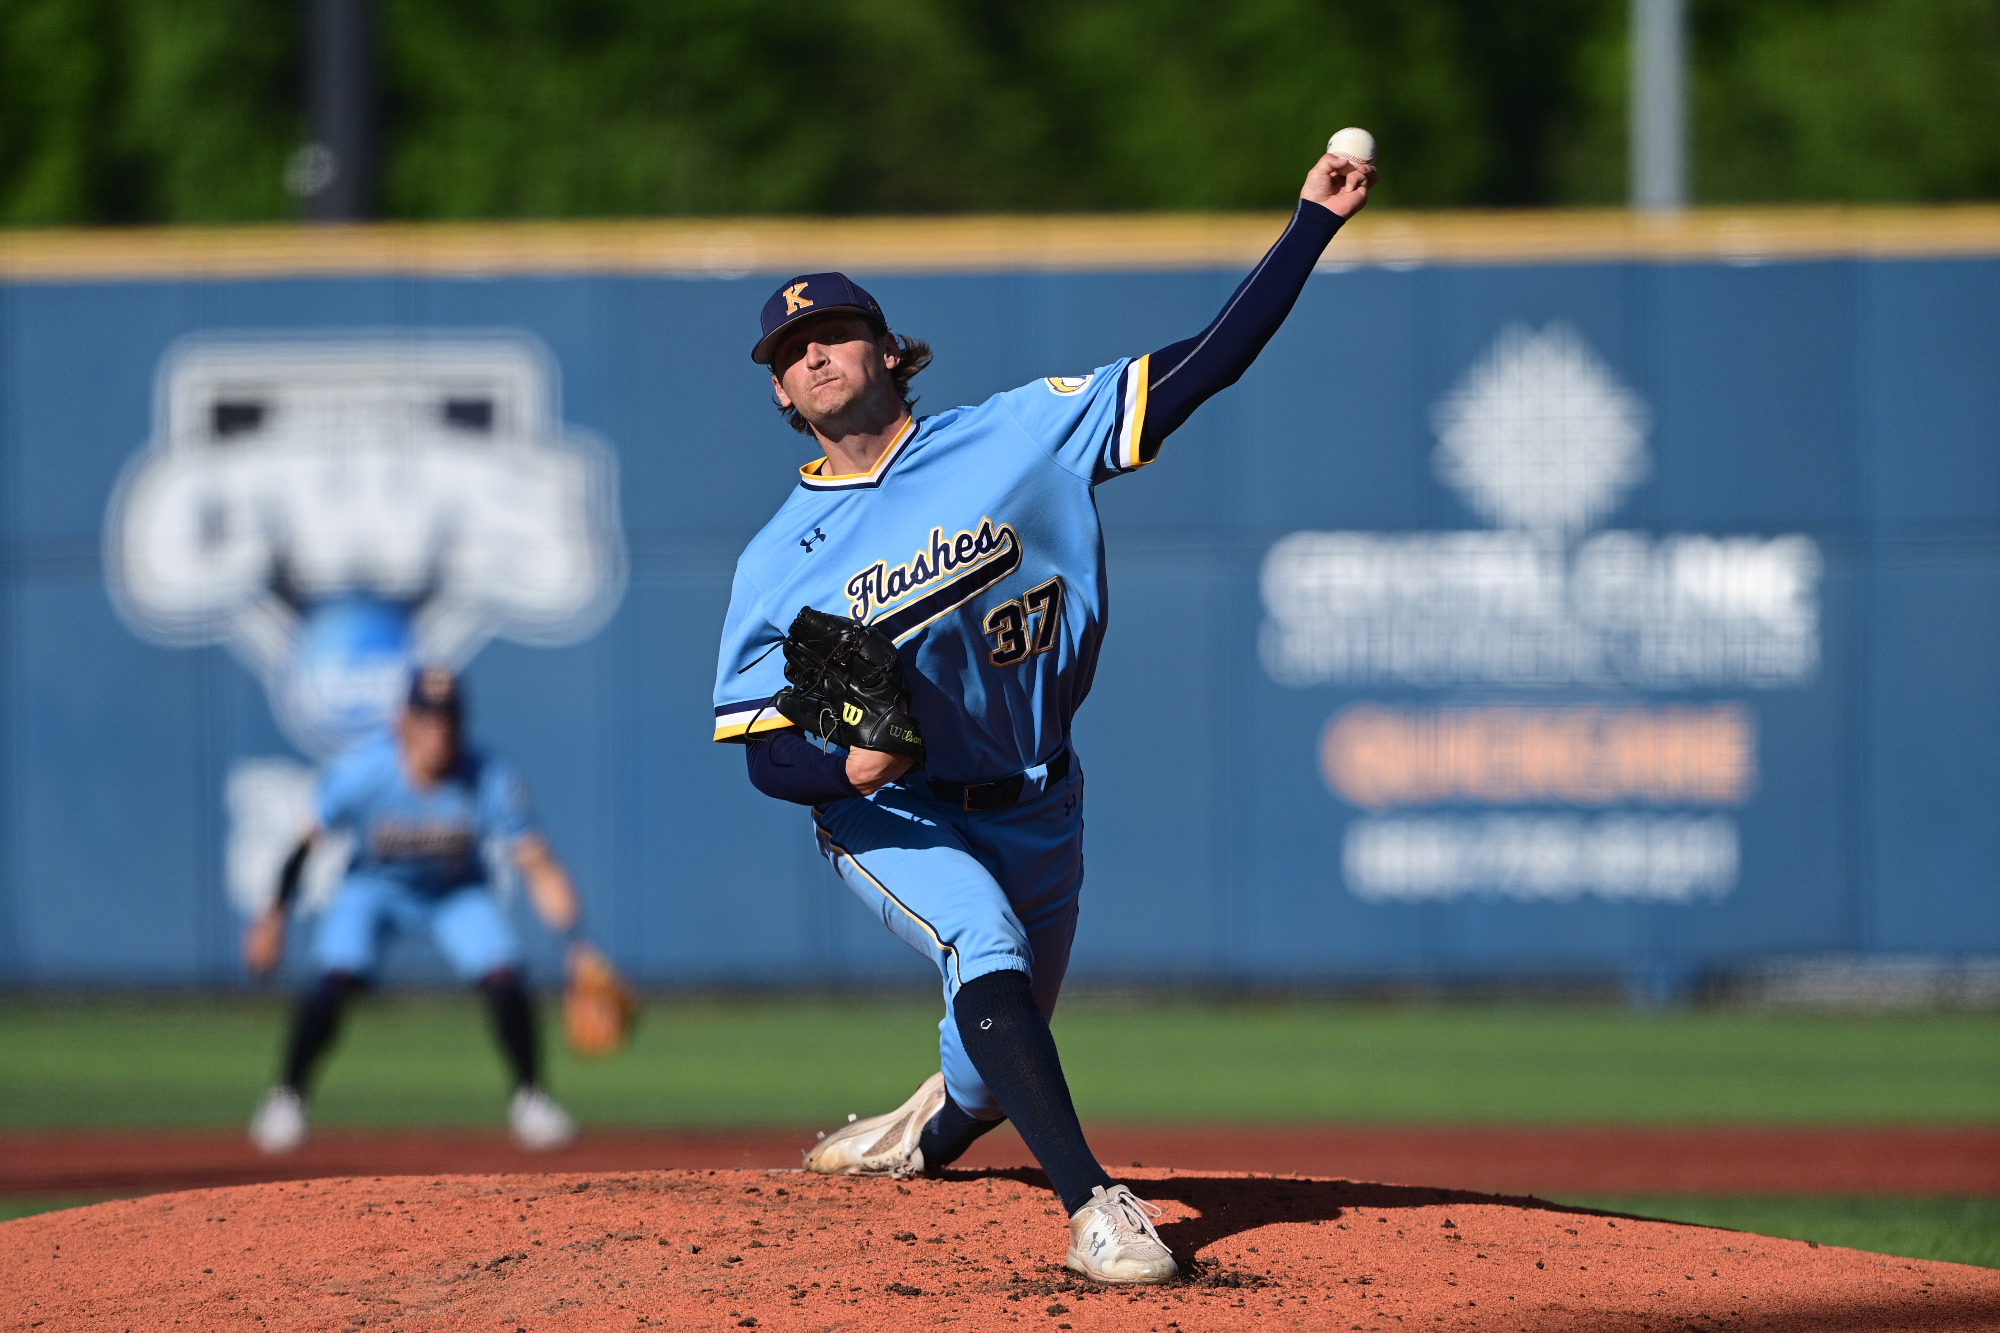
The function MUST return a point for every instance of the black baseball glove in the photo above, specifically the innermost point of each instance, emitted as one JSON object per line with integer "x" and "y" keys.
{"x": 847, "y": 685}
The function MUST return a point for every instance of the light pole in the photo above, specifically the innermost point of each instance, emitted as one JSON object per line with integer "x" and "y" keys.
{"x": 1659, "y": 105}
{"x": 334, "y": 174}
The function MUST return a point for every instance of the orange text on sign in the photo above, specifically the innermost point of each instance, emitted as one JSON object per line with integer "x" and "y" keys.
{"x": 1502, "y": 755}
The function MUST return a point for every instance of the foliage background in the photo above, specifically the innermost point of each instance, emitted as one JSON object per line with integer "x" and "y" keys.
{"x": 163, "y": 111}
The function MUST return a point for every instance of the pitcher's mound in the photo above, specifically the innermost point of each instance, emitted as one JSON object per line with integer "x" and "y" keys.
{"x": 781, "y": 1251}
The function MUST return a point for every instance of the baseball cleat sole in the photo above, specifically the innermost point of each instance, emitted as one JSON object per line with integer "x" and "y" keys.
{"x": 881, "y": 1145}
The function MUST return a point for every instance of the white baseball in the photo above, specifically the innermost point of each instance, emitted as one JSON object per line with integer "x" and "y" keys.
{"x": 1353, "y": 143}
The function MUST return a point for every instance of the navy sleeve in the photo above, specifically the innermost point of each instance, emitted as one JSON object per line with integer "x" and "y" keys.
{"x": 1188, "y": 373}
{"x": 791, "y": 768}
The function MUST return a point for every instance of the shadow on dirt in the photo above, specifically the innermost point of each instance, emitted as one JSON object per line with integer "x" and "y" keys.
{"x": 1228, "y": 1205}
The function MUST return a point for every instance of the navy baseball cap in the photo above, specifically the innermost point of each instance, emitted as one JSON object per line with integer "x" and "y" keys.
{"x": 807, "y": 295}
{"x": 434, "y": 692}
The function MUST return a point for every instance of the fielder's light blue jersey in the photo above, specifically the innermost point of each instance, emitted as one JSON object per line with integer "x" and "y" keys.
{"x": 975, "y": 545}
{"x": 428, "y": 841}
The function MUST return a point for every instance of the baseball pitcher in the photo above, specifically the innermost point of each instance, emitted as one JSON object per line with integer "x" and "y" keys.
{"x": 906, "y": 645}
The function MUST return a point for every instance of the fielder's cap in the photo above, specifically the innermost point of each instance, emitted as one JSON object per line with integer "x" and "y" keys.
{"x": 434, "y": 692}
{"x": 807, "y": 295}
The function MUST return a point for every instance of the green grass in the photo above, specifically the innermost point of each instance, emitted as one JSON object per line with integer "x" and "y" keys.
{"x": 416, "y": 1059}
{"x": 426, "y": 1060}
{"x": 1959, "y": 1231}
{"x": 1526, "y": 1064}
{"x": 30, "y": 1207}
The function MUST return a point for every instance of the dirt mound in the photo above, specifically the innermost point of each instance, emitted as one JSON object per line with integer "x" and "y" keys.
{"x": 745, "y": 1249}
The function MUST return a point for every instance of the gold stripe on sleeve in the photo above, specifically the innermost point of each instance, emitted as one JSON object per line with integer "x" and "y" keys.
{"x": 737, "y": 731}
{"x": 1141, "y": 372}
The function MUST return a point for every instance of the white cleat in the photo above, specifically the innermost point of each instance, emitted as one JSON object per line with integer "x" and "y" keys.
{"x": 881, "y": 1145}
{"x": 280, "y": 1125}
{"x": 1111, "y": 1239}
{"x": 538, "y": 1124}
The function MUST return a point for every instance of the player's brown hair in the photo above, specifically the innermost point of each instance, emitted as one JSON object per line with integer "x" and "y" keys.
{"x": 912, "y": 356}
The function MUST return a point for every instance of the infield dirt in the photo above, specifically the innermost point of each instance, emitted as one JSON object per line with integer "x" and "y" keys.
{"x": 731, "y": 1249}
{"x": 1517, "y": 1159}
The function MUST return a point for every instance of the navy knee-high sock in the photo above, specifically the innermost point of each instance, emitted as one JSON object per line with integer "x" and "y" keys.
{"x": 951, "y": 1131}
{"x": 514, "y": 1025}
{"x": 315, "y": 1023}
{"x": 1009, "y": 1043}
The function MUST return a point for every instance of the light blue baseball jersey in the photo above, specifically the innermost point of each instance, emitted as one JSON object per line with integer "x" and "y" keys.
{"x": 975, "y": 545}
{"x": 428, "y": 841}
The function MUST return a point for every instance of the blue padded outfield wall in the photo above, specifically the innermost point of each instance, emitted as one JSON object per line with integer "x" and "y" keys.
{"x": 1613, "y": 619}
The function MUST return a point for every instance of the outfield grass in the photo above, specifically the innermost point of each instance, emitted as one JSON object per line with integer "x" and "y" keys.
{"x": 1959, "y": 1231}
{"x": 425, "y": 1060}
{"x": 11, "y": 1208}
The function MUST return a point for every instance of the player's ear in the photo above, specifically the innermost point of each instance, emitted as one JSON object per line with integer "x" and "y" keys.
{"x": 892, "y": 349}
{"x": 778, "y": 394}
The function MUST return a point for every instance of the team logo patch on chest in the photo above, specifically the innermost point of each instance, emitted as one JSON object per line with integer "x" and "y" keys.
{"x": 431, "y": 840}
{"x": 944, "y": 575}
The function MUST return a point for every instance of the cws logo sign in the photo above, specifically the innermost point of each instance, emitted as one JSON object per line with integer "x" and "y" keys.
{"x": 337, "y": 509}
{"x": 1621, "y": 795}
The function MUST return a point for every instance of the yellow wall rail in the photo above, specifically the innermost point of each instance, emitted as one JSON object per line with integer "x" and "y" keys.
{"x": 723, "y": 247}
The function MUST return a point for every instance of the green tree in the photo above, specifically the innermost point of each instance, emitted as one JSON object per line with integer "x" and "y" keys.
{"x": 1847, "y": 100}
{"x": 146, "y": 110}
{"x": 152, "y": 110}
{"x": 62, "y": 152}
{"x": 523, "y": 107}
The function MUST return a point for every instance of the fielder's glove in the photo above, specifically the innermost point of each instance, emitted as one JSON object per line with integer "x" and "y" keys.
{"x": 598, "y": 1007}
{"x": 847, "y": 686}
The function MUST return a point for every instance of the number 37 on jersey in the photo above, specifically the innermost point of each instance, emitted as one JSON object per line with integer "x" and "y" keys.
{"x": 1029, "y": 624}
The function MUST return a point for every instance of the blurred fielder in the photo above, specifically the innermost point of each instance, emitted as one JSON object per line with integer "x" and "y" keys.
{"x": 421, "y": 806}
{"x": 951, "y": 572}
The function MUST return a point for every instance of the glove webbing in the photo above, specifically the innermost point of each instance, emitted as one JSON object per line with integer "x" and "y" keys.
{"x": 825, "y": 663}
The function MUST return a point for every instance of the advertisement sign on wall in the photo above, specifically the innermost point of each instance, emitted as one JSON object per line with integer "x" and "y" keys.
{"x": 1608, "y": 618}
{"x": 1576, "y": 794}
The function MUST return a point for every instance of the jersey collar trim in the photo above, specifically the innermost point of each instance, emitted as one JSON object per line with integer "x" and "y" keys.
{"x": 811, "y": 478}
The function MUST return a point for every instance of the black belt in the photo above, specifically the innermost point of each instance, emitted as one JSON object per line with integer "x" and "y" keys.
{"x": 1003, "y": 793}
